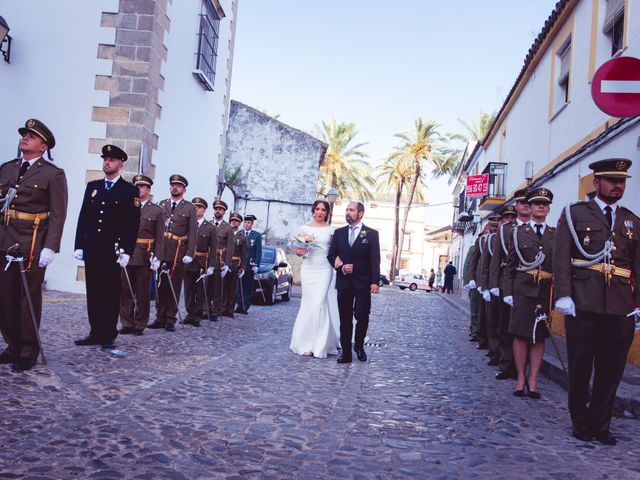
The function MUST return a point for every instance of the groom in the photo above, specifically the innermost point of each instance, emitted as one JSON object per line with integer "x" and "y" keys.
{"x": 355, "y": 254}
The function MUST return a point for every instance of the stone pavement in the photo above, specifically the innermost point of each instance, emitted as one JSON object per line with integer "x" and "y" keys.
{"x": 230, "y": 401}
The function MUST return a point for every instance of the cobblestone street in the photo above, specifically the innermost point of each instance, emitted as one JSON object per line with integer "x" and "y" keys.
{"x": 230, "y": 401}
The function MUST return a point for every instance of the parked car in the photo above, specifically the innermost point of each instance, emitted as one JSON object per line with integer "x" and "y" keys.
{"x": 274, "y": 277}
{"x": 384, "y": 280}
{"x": 412, "y": 281}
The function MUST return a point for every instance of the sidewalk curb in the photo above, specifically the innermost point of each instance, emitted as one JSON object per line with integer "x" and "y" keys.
{"x": 625, "y": 405}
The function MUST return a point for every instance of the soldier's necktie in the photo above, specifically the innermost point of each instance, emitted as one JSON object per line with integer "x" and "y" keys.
{"x": 23, "y": 168}
{"x": 352, "y": 235}
{"x": 108, "y": 184}
{"x": 608, "y": 212}
{"x": 173, "y": 206}
{"x": 539, "y": 230}
{"x": 217, "y": 224}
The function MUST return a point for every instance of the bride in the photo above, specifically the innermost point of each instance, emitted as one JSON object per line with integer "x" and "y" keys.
{"x": 316, "y": 326}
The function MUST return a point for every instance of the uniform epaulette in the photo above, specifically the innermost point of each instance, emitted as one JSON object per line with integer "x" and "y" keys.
{"x": 51, "y": 164}
{"x": 7, "y": 163}
{"x": 628, "y": 211}
{"x": 580, "y": 202}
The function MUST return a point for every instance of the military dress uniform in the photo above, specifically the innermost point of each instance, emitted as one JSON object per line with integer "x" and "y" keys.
{"x": 600, "y": 334}
{"x": 491, "y": 307}
{"x": 148, "y": 241}
{"x": 194, "y": 294}
{"x": 224, "y": 247}
{"x": 34, "y": 219}
{"x": 238, "y": 260}
{"x": 475, "y": 270}
{"x": 473, "y": 294}
{"x": 501, "y": 242}
{"x": 530, "y": 287}
{"x": 180, "y": 237}
{"x": 254, "y": 256}
{"x": 110, "y": 214}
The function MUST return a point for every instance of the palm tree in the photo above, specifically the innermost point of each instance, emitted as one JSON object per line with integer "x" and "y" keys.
{"x": 477, "y": 129}
{"x": 423, "y": 149}
{"x": 343, "y": 166}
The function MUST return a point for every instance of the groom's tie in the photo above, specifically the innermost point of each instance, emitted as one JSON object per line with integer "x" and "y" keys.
{"x": 352, "y": 235}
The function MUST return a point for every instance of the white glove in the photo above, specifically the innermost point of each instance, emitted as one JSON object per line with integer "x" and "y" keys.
{"x": 154, "y": 264}
{"x": 471, "y": 284}
{"x": 486, "y": 296}
{"x": 479, "y": 289}
{"x": 123, "y": 260}
{"x": 565, "y": 306}
{"x": 78, "y": 254}
{"x": 241, "y": 274}
{"x": 636, "y": 314}
{"x": 495, "y": 292}
{"x": 254, "y": 269}
{"x": 46, "y": 257}
{"x": 209, "y": 271}
{"x": 508, "y": 300}
{"x": 187, "y": 259}
{"x": 224, "y": 271}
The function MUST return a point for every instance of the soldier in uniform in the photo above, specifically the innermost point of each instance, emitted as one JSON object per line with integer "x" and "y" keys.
{"x": 178, "y": 249}
{"x": 254, "y": 255}
{"x": 149, "y": 240}
{"x": 475, "y": 283}
{"x": 220, "y": 259}
{"x": 510, "y": 215}
{"x": 110, "y": 214}
{"x": 473, "y": 294}
{"x": 33, "y": 208}
{"x": 238, "y": 261}
{"x": 527, "y": 289}
{"x": 194, "y": 282}
{"x": 596, "y": 254}
{"x": 491, "y": 308}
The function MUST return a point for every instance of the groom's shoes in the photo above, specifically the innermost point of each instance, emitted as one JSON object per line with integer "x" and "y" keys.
{"x": 344, "y": 358}
{"x": 360, "y": 355}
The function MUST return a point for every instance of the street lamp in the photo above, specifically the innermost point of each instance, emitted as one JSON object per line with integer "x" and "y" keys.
{"x": 332, "y": 196}
{"x": 5, "y": 38}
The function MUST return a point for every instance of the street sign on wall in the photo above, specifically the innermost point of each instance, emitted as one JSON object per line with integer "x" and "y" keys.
{"x": 477, "y": 185}
{"x": 615, "y": 87}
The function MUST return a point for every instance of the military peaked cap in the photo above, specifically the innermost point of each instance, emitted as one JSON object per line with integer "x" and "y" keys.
{"x": 200, "y": 202}
{"x": 521, "y": 195}
{"x": 40, "y": 129}
{"x": 142, "y": 180}
{"x": 253, "y": 218}
{"x": 111, "y": 151}
{"x": 220, "y": 204}
{"x": 235, "y": 216}
{"x": 540, "y": 195}
{"x": 508, "y": 210}
{"x": 611, "y": 167}
{"x": 178, "y": 179}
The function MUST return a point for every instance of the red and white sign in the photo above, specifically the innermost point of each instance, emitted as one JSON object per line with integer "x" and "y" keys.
{"x": 477, "y": 185}
{"x": 615, "y": 87}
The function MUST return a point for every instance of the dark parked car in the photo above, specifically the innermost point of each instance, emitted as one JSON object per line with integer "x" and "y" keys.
{"x": 384, "y": 280}
{"x": 274, "y": 276}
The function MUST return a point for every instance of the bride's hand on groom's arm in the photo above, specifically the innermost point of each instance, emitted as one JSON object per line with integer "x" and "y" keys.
{"x": 338, "y": 263}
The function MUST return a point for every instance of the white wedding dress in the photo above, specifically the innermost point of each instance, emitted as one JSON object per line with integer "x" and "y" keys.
{"x": 318, "y": 322}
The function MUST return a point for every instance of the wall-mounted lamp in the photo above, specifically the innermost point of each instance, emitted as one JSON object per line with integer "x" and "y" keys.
{"x": 332, "y": 196}
{"x": 528, "y": 171}
{"x": 5, "y": 38}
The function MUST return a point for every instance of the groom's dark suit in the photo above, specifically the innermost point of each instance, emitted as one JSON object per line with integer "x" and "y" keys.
{"x": 354, "y": 294}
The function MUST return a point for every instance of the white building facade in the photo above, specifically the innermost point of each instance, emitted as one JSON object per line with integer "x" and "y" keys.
{"x": 549, "y": 125}
{"x": 151, "y": 76}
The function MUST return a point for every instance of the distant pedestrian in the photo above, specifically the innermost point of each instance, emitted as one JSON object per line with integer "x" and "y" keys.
{"x": 449, "y": 272}
{"x": 439, "y": 280}
{"x": 432, "y": 279}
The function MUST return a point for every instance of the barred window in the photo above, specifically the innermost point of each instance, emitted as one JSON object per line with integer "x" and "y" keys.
{"x": 208, "y": 35}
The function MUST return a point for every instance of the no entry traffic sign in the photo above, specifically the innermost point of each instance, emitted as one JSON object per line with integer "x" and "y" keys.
{"x": 615, "y": 87}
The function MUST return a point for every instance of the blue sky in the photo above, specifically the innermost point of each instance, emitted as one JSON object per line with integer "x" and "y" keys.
{"x": 382, "y": 64}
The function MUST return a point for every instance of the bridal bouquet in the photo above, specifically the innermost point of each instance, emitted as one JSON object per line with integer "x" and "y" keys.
{"x": 306, "y": 241}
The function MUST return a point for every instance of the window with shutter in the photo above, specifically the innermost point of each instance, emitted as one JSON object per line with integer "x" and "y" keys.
{"x": 615, "y": 9}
